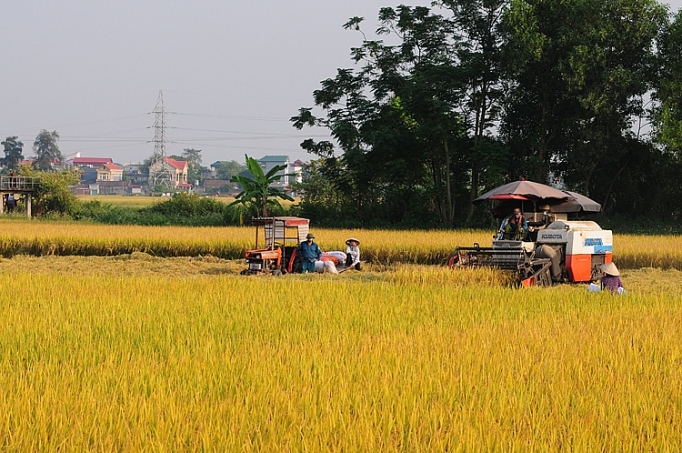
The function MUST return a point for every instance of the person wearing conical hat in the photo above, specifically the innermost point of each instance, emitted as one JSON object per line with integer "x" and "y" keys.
{"x": 353, "y": 253}
{"x": 611, "y": 278}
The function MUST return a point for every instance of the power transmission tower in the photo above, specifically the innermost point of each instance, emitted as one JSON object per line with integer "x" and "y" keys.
{"x": 159, "y": 170}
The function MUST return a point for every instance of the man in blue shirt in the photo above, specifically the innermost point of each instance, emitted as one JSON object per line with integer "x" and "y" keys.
{"x": 309, "y": 252}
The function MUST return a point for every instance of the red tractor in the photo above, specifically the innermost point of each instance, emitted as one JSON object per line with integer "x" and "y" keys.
{"x": 277, "y": 239}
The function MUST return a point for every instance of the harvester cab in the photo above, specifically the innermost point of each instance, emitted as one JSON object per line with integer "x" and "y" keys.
{"x": 275, "y": 247}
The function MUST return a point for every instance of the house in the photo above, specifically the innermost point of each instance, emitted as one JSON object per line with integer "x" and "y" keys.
{"x": 296, "y": 170}
{"x": 110, "y": 172}
{"x": 113, "y": 187}
{"x": 134, "y": 173}
{"x": 86, "y": 189}
{"x": 91, "y": 161}
{"x": 89, "y": 167}
{"x": 171, "y": 170}
{"x": 267, "y": 163}
{"x": 88, "y": 175}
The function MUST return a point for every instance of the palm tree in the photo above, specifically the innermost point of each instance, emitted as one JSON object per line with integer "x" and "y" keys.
{"x": 257, "y": 194}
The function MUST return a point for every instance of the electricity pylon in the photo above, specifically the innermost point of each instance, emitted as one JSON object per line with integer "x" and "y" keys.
{"x": 159, "y": 171}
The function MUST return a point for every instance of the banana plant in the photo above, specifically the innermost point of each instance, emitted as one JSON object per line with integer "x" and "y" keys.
{"x": 257, "y": 194}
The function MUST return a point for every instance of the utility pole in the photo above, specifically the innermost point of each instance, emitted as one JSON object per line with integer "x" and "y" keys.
{"x": 159, "y": 170}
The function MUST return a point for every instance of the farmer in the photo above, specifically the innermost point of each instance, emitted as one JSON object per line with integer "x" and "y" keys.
{"x": 513, "y": 227}
{"x": 309, "y": 252}
{"x": 353, "y": 253}
{"x": 611, "y": 279}
{"x": 11, "y": 202}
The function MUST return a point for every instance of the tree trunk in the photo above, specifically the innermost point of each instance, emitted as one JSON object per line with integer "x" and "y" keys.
{"x": 450, "y": 208}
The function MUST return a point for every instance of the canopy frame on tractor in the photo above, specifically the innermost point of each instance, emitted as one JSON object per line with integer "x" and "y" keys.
{"x": 277, "y": 239}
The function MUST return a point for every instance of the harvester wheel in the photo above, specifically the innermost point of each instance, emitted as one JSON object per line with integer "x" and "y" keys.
{"x": 276, "y": 272}
{"x": 544, "y": 278}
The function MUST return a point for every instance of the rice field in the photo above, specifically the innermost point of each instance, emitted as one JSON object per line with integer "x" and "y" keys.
{"x": 137, "y": 352}
{"x": 387, "y": 247}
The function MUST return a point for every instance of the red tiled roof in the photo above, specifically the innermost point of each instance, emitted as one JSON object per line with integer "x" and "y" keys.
{"x": 112, "y": 167}
{"x": 179, "y": 164}
{"x": 92, "y": 160}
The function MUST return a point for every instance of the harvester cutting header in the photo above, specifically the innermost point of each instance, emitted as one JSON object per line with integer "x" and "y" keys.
{"x": 541, "y": 244}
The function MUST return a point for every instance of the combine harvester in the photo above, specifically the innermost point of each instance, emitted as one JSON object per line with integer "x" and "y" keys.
{"x": 554, "y": 250}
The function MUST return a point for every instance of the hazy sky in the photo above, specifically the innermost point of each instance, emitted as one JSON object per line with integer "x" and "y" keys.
{"x": 232, "y": 72}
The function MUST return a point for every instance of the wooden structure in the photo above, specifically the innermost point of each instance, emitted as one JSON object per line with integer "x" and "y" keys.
{"x": 23, "y": 186}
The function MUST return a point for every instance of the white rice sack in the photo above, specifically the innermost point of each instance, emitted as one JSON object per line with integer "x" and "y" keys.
{"x": 330, "y": 267}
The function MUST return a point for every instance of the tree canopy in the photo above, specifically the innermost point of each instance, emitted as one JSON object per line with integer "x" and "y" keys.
{"x": 46, "y": 150}
{"x": 465, "y": 95}
{"x": 14, "y": 153}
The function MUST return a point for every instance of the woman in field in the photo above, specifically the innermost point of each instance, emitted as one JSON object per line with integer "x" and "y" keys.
{"x": 353, "y": 253}
{"x": 611, "y": 279}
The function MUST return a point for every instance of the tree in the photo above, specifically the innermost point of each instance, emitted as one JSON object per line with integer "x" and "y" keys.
{"x": 53, "y": 195}
{"x": 193, "y": 158}
{"x": 46, "y": 150}
{"x": 13, "y": 153}
{"x": 257, "y": 194}
{"x": 668, "y": 114}
{"x": 578, "y": 71}
{"x": 228, "y": 169}
{"x": 396, "y": 119}
{"x": 479, "y": 22}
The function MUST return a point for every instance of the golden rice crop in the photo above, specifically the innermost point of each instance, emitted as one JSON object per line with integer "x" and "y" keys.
{"x": 414, "y": 359}
{"x": 381, "y": 247}
{"x": 74, "y": 238}
{"x": 637, "y": 251}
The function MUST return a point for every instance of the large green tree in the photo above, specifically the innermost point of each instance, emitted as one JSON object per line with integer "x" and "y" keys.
{"x": 13, "y": 153}
{"x": 46, "y": 150}
{"x": 229, "y": 168}
{"x": 396, "y": 119}
{"x": 668, "y": 114}
{"x": 53, "y": 196}
{"x": 473, "y": 93}
{"x": 478, "y": 22}
{"x": 578, "y": 72}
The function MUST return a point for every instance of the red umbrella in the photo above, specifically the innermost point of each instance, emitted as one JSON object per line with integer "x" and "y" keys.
{"x": 528, "y": 189}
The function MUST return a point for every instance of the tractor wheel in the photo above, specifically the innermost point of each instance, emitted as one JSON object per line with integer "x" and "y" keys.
{"x": 276, "y": 273}
{"x": 245, "y": 272}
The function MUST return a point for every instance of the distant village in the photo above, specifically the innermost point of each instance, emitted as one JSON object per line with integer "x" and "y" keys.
{"x": 102, "y": 176}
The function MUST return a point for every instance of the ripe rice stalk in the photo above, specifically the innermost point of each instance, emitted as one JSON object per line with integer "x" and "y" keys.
{"x": 423, "y": 360}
